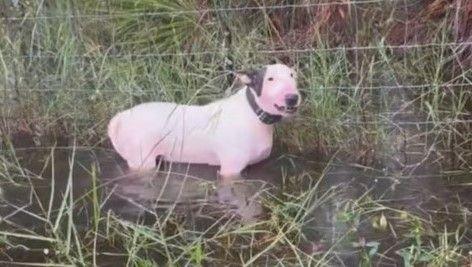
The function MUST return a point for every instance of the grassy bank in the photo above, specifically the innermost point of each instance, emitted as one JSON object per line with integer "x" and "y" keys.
{"x": 67, "y": 67}
{"x": 375, "y": 75}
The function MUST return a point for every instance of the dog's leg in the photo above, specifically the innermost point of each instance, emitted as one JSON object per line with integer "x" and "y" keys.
{"x": 230, "y": 171}
{"x": 133, "y": 165}
{"x": 149, "y": 163}
{"x": 231, "y": 167}
{"x": 142, "y": 165}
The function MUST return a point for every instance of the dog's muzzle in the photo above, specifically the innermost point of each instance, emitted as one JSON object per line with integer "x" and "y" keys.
{"x": 291, "y": 100}
{"x": 286, "y": 109}
{"x": 291, "y": 104}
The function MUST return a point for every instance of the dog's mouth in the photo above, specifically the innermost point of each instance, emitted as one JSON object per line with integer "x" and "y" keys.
{"x": 286, "y": 109}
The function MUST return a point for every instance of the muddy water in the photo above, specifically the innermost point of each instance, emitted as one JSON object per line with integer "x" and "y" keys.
{"x": 189, "y": 189}
{"x": 400, "y": 181}
{"x": 136, "y": 193}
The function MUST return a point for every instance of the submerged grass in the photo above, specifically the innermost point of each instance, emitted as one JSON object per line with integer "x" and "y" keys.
{"x": 67, "y": 66}
{"x": 75, "y": 230}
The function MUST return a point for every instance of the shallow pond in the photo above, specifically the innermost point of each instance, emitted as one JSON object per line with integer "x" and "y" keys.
{"x": 353, "y": 213}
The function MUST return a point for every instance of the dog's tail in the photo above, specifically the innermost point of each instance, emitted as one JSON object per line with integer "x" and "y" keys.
{"x": 113, "y": 128}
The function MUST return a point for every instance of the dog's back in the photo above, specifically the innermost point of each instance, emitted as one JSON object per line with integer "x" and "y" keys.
{"x": 158, "y": 128}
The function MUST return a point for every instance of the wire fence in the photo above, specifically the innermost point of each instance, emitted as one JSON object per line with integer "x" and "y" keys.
{"x": 98, "y": 89}
{"x": 455, "y": 47}
{"x": 381, "y": 120}
{"x": 451, "y": 45}
{"x": 203, "y": 11}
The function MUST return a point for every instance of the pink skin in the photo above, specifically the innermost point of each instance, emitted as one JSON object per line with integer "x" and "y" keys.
{"x": 226, "y": 132}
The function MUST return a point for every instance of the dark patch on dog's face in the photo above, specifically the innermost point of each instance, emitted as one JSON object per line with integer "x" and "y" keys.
{"x": 257, "y": 80}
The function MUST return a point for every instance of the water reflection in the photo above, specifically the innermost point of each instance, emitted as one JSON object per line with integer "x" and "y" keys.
{"x": 181, "y": 185}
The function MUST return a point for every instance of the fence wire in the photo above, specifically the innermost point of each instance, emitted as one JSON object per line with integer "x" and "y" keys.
{"x": 381, "y": 121}
{"x": 451, "y": 45}
{"x": 315, "y": 88}
{"x": 456, "y": 47}
{"x": 203, "y": 11}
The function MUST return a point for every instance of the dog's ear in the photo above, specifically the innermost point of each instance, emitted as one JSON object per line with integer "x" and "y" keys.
{"x": 245, "y": 77}
{"x": 253, "y": 79}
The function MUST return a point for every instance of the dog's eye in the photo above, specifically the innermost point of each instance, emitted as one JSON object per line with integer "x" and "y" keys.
{"x": 291, "y": 75}
{"x": 270, "y": 79}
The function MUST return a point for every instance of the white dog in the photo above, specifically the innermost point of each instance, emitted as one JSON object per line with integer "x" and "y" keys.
{"x": 233, "y": 132}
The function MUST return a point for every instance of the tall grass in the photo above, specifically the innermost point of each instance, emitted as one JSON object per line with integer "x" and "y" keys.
{"x": 68, "y": 74}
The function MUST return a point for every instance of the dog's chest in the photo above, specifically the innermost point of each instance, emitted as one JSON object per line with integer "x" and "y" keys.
{"x": 261, "y": 149}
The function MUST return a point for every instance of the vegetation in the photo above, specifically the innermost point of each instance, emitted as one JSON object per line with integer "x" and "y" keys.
{"x": 387, "y": 85}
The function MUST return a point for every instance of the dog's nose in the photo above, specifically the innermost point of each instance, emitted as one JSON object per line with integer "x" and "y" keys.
{"x": 291, "y": 100}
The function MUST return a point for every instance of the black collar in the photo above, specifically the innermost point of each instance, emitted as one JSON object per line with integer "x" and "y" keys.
{"x": 263, "y": 116}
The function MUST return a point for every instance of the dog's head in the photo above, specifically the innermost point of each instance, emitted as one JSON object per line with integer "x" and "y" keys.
{"x": 275, "y": 88}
